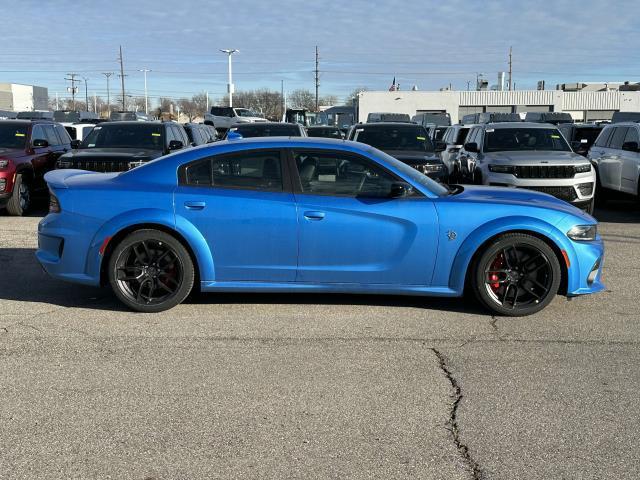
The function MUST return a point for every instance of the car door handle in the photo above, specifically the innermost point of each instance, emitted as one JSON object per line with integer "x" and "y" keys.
{"x": 195, "y": 205}
{"x": 313, "y": 215}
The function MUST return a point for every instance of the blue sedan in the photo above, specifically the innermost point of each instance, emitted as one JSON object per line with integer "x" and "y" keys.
{"x": 311, "y": 215}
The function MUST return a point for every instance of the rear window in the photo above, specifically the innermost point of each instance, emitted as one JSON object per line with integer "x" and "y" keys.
{"x": 12, "y": 135}
{"x": 221, "y": 111}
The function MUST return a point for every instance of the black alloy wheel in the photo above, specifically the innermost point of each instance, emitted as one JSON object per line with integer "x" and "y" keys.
{"x": 151, "y": 271}
{"x": 517, "y": 275}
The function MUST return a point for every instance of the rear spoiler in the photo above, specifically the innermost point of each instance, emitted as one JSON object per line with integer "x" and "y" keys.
{"x": 57, "y": 178}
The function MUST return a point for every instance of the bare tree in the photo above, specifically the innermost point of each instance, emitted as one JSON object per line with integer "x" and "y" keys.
{"x": 264, "y": 101}
{"x": 328, "y": 100}
{"x": 354, "y": 94}
{"x": 188, "y": 107}
{"x": 164, "y": 104}
{"x": 200, "y": 103}
{"x": 302, "y": 98}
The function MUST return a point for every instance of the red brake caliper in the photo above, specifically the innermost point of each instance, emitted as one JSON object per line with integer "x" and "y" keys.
{"x": 497, "y": 264}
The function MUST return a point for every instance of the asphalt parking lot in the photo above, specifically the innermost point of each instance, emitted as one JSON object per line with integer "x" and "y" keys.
{"x": 300, "y": 386}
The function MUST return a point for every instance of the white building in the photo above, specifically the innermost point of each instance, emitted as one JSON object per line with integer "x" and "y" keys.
{"x": 582, "y": 105}
{"x": 18, "y": 98}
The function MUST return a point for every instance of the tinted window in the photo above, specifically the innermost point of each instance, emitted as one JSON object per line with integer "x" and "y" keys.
{"x": 519, "y": 139}
{"x": 603, "y": 138}
{"x": 72, "y": 132}
{"x": 221, "y": 111}
{"x": 324, "y": 132}
{"x": 133, "y": 135}
{"x": 13, "y": 136}
{"x": 585, "y": 136}
{"x": 275, "y": 130}
{"x": 38, "y": 133}
{"x": 52, "y": 138}
{"x": 328, "y": 173}
{"x": 461, "y": 137}
{"x": 618, "y": 138}
{"x": 632, "y": 135}
{"x": 199, "y": 173}
{"x": 62, "y": 134}
{"x": 252, "y": 170}
{"x": 386, "y": 137}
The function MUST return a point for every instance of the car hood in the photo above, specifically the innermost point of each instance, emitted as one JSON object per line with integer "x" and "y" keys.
{"x": 11, "y": 152}
{"x": 411, "y": 157}
{"x": 534, "y": 157}
{"x": 519, "y": 197}
{"x": 112, "y": 154}
{"x": 251, "y": 120}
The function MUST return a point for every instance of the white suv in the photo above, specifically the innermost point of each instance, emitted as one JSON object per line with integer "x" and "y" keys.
{"x": 529, "y": 155}
{"x": 223, "y": 118}
{"x": 616, "y": 155}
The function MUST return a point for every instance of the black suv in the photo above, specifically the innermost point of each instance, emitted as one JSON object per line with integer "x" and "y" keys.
{"x": 120, "y": 146}
{"x": 408, "y": 142}
{"x": 580, "y": 135}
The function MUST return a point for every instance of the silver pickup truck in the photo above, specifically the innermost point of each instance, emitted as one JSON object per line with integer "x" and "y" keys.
{"x": 223, "y": 118}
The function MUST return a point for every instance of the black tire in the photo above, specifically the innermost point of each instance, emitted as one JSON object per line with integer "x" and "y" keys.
{"x": 151, "y": 261}
{"x": 600, "y": 195}
{"x": 516, "y": 275}
{"x": 592, "y": 206}
{"x": 20, "y": 201}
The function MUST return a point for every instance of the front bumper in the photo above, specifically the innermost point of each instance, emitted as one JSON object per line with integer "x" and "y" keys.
{"x": 578, "y": 190}
{"x": 585, "y": 271}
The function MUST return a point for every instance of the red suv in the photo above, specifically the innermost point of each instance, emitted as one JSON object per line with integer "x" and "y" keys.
{"x": 28, "y": 150}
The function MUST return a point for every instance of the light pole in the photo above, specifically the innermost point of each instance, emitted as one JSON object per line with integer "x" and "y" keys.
{"x": 146, "y": 99}
{"x": 108, "y": 74}
{"x": 230, "y": 52}
{"x": 86, "y": 94}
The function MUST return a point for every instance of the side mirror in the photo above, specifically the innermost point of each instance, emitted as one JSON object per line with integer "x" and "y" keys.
{"x": 175, "y": 145}
{"x": 630, "y": 146}
{"x": 40, "y": 143}
{"x": 440, "y": 146}
{"x": 400, "y": 189}
{"x": 76, "y": 144}
{"x": 233, "y": 135}
{"x": 471, "y": 147}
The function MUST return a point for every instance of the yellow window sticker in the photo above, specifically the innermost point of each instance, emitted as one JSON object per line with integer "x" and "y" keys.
{"x": 20, "y": 134}
{"x": 421, "y": 138}
{"x": 153, "y": 134}
{"x": 555, "y": 136}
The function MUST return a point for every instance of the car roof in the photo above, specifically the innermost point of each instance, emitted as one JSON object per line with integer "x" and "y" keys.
{"x": 498, "y": 125}
{"x": 311, "y": 127}
{"x": 623, "y": 124}
{"x": 132, "y": 122}
{"x": 388, "y": 124}
{"x": 263, "y": 124}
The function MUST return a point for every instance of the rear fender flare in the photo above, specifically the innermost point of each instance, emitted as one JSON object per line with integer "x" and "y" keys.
{"x": 147, "y": 218}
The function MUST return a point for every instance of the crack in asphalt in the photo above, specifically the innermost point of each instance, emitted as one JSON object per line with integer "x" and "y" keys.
{"x": 494, "y": 325}
{"x": 452, "y": 427}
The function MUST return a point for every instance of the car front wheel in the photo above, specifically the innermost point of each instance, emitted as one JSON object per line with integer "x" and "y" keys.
{"x": 516, "y": 275}
{"x": 151, "y": 271}
{"x": 20, "y": 201}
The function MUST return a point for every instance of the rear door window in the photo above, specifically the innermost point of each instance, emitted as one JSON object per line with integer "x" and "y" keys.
{"x": 603, "y": 139}
{"x": 632, "y": 135}
{"x": 52, "y": 137}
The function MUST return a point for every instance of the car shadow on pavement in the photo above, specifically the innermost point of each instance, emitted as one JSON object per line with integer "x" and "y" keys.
{"x": 22, "y": 279}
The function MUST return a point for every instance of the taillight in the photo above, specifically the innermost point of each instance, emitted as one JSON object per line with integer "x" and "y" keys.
{"x": 54, "y": 204}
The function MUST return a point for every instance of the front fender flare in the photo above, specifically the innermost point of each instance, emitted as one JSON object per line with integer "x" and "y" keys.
{"x": 504, "y": 225}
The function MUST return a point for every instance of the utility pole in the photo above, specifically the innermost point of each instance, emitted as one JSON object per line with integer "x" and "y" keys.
{"x": 317, "y": 74}
{"x": 57, "y": 104}
{"x": 230, "y": 88}
{"x": 146, "y": 100}
{"x": 86, "y": 94}
{"x": 95, "y": 102}
{"x": 282, "y": 101}
{"x": 108, "y": 74}
{"x": 207, "y": 94}
{"x": 510, "y": 68}
{"x": 122, "y": 75}
{"x": 468, "y": 85}
{"x": 73, "y": 81}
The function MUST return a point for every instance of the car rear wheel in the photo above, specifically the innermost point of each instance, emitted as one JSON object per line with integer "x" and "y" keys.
{"x": 20, "y": 201}
{"x": 516, "y": 275}
{"x": 151, "y": 271}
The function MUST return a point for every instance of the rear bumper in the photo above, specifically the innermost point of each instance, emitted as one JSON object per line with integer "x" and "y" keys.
{"x": 62, "y": 249}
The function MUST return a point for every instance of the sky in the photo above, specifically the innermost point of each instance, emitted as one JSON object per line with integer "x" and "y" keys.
{"x": 361, "y": 43}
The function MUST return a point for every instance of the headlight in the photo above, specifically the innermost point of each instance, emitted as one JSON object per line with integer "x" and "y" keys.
{"x": 583, "y": 168}
{"x": 135, "y": 164}
{"x": 502, "y": 169}
{"x": 4, "y": 164}
{"x": 583, "y": 233}
{"x": 433, "y": 167}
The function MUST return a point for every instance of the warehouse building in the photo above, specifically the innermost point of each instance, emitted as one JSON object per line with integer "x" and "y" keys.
{"x": 582, "y": 105}
{"x": 18, "y": 98}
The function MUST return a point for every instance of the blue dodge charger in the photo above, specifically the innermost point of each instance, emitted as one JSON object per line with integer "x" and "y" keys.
{"x": 311, "y": 215}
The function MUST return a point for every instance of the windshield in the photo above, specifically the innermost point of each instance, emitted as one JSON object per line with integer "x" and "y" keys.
{"x": 243, "y": 112}
{"x": 407, "y": 138}
{"x": 261, "y": 130}
{"x": 143, "y": 135}
{"x": 13, "y": 136}
{"x": 524, "y": 139}
{"x": 66, "y": 116}
{"x": 414, "y": 175}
